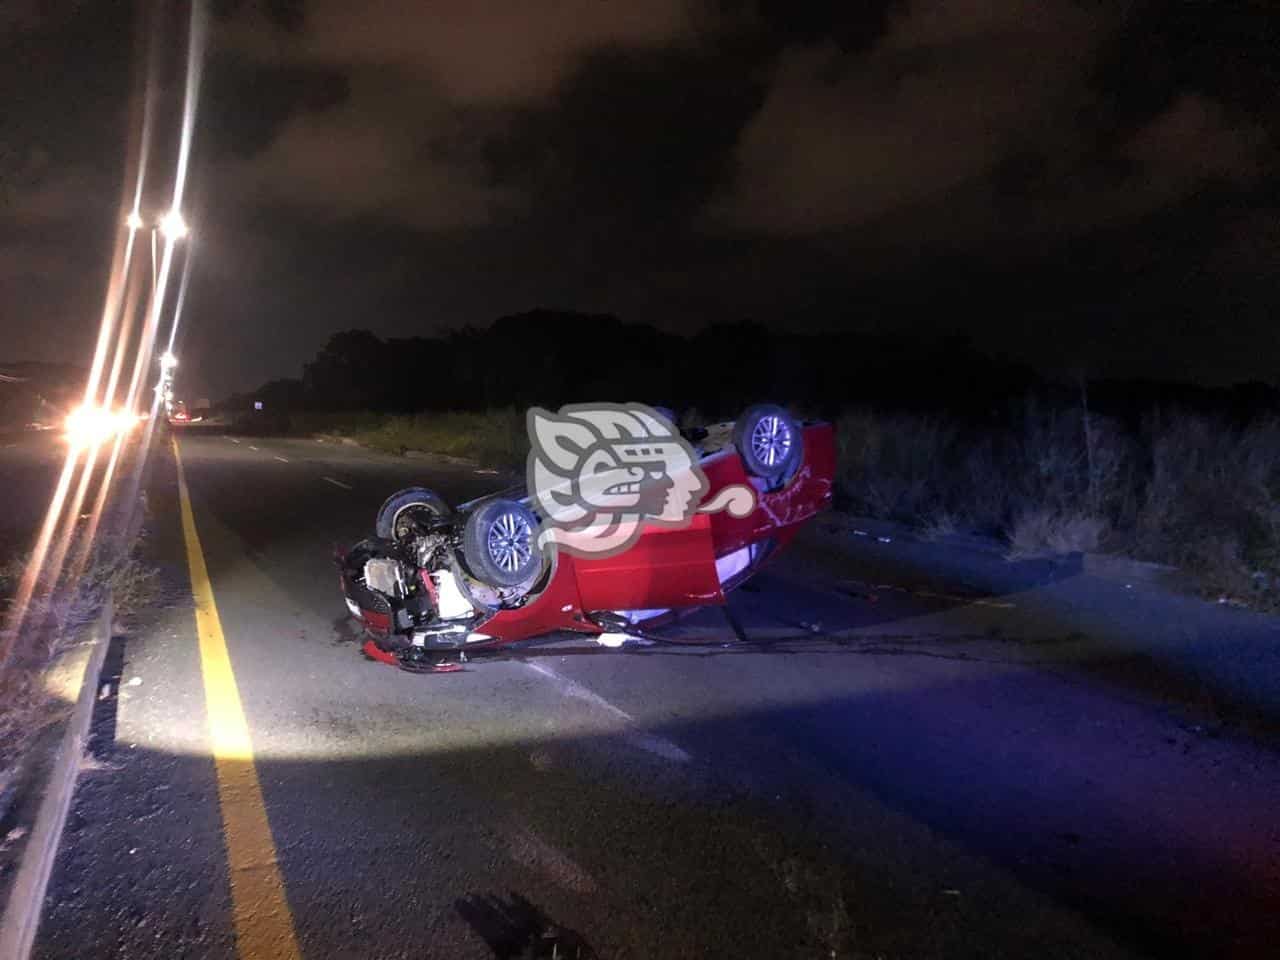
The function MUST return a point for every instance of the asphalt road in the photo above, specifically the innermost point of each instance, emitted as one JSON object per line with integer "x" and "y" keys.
{"x": 895, "y": 773}
{"x": 29, "y": 466}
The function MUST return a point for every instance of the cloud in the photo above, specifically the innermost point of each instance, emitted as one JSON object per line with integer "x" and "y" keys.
{"x": 969, "y": 106}
{"x": 19, "y": 17}
{"x": 432, "y": 87}
{"x": 385, "y": 152}
{"x": 42, "y": 194}
{"x": 481, "y": 51}
{"x": 25, "y": 262}
{"x": 950, "y": 88}
{"x": 1193, "y": 141}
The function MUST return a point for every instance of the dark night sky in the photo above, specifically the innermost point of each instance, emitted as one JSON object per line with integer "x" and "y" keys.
{"x": 1071, "y": 182}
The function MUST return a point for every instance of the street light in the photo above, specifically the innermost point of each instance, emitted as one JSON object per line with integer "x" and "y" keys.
{"x": 173, "y": 226}
{"x": 164, "y": 389}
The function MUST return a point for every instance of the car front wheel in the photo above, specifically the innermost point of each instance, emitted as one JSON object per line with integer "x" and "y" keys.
{"x": 498, "y": 544}
{"x": 406, "y": 512}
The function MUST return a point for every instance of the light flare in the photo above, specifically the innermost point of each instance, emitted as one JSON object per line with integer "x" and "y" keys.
{"x": 173, "y": 226}
{"x": 90, "y": 426}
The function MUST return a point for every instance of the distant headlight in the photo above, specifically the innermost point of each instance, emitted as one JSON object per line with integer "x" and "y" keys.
{"x": 87, "y": 425}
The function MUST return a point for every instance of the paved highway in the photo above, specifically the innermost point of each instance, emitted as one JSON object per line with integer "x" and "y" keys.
{"x": 29, "y": 466}
{"x": 899, "y": 773}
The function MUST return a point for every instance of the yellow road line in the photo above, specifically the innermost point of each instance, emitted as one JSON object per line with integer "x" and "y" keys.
{"x": 264, "y": 923}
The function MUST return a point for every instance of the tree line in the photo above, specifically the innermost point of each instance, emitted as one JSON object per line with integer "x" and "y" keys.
{"x": 550, "y": 358}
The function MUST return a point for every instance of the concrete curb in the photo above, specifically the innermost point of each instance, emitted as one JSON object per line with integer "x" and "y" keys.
{"x": 26, "y": 897}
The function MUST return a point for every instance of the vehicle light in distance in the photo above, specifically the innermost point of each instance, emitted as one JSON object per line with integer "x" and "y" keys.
{"x": 87, "y": 425}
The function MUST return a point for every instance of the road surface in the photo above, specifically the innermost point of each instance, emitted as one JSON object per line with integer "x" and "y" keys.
{"x": 897, "y": 773}
{"x": 29, "y": 465}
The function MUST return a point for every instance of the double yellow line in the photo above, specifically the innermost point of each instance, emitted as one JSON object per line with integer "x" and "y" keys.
{"x": 264, "y": 924}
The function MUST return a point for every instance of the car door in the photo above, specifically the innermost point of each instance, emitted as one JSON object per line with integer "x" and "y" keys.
{"x": 667, "y": 567}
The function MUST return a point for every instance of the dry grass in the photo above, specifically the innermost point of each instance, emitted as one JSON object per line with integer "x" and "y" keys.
{"x": 939, "y": 526}
{"x": 926, "y": 472}
{"x": 1186, "y": 490}
{"x": 1212, "y": 505}
{"x": 492, "y": 437}
{"x": 25, "y": 710}
{"x": 1039, "y": 533}
{"x": 54, "y": 621}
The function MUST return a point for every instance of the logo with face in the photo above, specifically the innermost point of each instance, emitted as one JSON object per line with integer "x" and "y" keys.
{"x": 598, "y": 473}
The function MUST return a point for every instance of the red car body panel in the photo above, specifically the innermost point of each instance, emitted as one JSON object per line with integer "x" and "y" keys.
{"x": 778, "y": 512}
{"x": 375, "y": 622}
{"x": 673, "y": 568}
{"x": 558, "y": 607}
{"x": 667, "y": 567}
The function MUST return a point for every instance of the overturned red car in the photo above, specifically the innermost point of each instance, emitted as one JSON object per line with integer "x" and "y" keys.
{"x": 437, "y": 583}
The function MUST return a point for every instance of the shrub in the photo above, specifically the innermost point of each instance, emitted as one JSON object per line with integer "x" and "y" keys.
{"x": 918, "y": 469}
{"x": 1039, "y": 533}
{"x": 54, "y": 616}
{"x": 1186, "y": 490}
{"x": 1212, "y": 504}
{"x": 894, "y": 467}
{"x": 493, "y": 437}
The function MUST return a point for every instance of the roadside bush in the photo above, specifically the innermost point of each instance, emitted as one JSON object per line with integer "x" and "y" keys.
{"x": 1212, "y": 505}
{"x": 494, "y": 437}
{"x": 1043, "y": 469}
{"x": 1039, "y": 533}
{"x": 1186, "y": 490}
{"x": 894, "y": 466}
{"x": 54, "y": 616}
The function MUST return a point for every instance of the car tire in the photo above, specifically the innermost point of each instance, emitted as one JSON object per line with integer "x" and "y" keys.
{"x": 769, "y": 442}
{"x": 498, "y": 544}
{"x": 399, "y": 508}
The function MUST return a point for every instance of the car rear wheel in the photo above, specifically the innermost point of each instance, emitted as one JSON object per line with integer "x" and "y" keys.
{"x": 498, "y": 544}
{"x": 770, "y": 443}
{"x": 407, "y": 512}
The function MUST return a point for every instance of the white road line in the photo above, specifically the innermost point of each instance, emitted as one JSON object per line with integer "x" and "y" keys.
{"x": 282, "y": 459}
{"x": 336, "y": 483}
{"x": 659, "y": 746}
